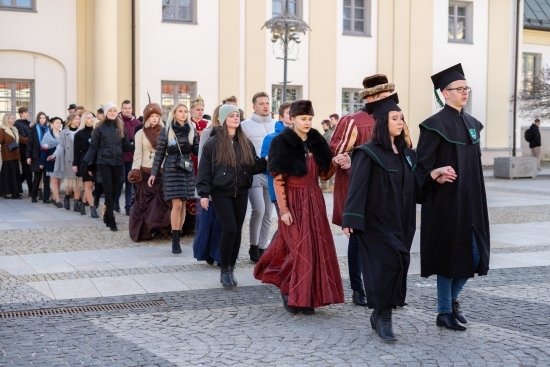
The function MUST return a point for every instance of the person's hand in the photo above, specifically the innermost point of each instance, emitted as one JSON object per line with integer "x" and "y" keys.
{"x": 29, "y": 161}
{"x": 287, "y": 218}
{"x": 204, "y": 203}
{"x": 347, "y": 231}
{"x": 41, "y": 167}
{"x": 75, "y": 169}
{"x": 90, "y": 173}
{"x": 51, "y": 158}
{"x": 151, "y": 181}
{"x": 343, "y": 160}
{"x": 445, "y": 174}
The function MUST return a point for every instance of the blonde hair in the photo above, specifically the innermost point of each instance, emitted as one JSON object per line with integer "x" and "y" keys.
{"x": 216, "y": 117}
{"x": 170, "y": 133}
{"x": 6, "y": 118}
{"x": 83, "y": 119}
{"x": 70, "y": 119}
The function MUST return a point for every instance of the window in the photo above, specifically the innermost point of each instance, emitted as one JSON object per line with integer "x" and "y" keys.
{"x": 351, "y": 101}
{"x": 293, "y": 93}
{"x": 531, "y": 69}
{"x": 15, "y": 94}
{"x": 17, "y": 5}
{"x": 184, "y": 11}
{"x": 294, "y": 7}
{"x": 175, "y": 92}
{"x": 357, "y": 17}
{"x": 460, "y": 22}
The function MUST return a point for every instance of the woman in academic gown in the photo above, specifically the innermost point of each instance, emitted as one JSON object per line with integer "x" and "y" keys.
{"x": 381, "y": 210}
{"x": 301, "y": 260}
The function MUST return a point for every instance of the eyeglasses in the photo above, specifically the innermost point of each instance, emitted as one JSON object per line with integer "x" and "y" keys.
{"x": 461, "y": 89}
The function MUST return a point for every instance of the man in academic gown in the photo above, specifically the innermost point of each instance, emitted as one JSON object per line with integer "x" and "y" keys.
{"x": 454, "y": 238}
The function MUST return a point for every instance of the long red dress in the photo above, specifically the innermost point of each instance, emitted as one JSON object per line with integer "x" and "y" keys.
{"x": 301, "y": 260}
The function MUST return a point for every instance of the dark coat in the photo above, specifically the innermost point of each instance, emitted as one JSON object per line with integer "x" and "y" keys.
{"x": 107, "y": 146}
{"x": 221, "y": 180}
{"x": 535, "y": 136}
{"x": 381, "y": 209}
{"x": 287, "y": 153}
{"x": 82, "y": 141}
{"x": 24, "y": 129}
{"x": 34, "y": 148}
{"x": 452, "y": 211}
{"x": 177, "y": 184}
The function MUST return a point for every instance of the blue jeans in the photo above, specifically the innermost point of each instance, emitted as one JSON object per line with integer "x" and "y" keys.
{"x": 354, "y": 264}
{"x": 448, "y": 288}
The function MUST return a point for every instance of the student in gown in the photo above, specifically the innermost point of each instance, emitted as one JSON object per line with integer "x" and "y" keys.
{"x": 301, "y": 260}
{"x": 381, "y": 210}
{"x": 455, "y": 239}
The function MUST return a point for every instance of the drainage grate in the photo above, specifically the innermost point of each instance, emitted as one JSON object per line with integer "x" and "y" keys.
{"x": 81, "y": 309}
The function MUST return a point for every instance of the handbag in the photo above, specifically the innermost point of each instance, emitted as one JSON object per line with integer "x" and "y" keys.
{"x": 13, "y": 146}
{"x": 182, "y": 163}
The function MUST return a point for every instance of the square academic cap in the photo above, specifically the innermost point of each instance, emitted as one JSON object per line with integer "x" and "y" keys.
{"x": 446, "y": 77}
{"x": 382, "y": 106}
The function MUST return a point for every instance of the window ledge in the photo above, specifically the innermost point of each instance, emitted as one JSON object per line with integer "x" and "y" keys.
{"x": 450, "y": 40}
{"x": 23, "y": 10}
{"x": 179, "y": 21}
{"x": 355, "y": 34}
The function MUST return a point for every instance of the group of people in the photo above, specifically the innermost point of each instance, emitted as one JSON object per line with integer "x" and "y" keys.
{"x": 224, "y": 163}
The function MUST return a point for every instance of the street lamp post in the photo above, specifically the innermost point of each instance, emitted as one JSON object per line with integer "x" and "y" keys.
{"x": 286, "y": 28}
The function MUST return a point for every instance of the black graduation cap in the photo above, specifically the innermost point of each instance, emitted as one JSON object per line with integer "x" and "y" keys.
{"x": 381, "y": 107}
{"x": 446, "y": 77}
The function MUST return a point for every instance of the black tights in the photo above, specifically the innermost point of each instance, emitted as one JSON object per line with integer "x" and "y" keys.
{"x": 110, "y": 175}
{"x": 36, "y": 184}
{"x": 230, "y": 213}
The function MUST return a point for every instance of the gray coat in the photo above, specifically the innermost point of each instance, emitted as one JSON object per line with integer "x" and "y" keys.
{"x": 64, "y": 154}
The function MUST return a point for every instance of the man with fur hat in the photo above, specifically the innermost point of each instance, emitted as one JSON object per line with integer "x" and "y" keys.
{"x": 352, "y": 131}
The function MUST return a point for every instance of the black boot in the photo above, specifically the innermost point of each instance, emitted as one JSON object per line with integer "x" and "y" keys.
{"x": 458, "y": 313}
{"x": 116, "y": 207}
{"x": 77, "y": 204}
{"x": 287, "y": 307}
{"x": 176, "y": 248}
{"x": 231, "y": 273}
{"x": 67, "y": 202}
{"x": 40, "y": 196}
{"x": 384, "y": 327}
{"x": 374, "y": 317}
{"x": 82, "y": 208}
{"x": 449, "y": 321}
{"x": 225, "y": 277}
{"x": 254, "y": 254}
{"x": 112, "y": 224}
{"x": 359, "y": 298}
{"x": 93, "y": 212}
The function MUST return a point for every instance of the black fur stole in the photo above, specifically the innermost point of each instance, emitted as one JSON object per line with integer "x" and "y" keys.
{"x": 287, "y": 153}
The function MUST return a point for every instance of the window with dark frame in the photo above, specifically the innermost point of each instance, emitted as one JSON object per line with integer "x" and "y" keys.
{"x": 460, "y": 22}
{"x": 293, "y": 93}
{"x": 179, "y": 10}
{"x": 351, "y": 101}
{"x": 278, "y": 6}
{"x": 531, "y": 69}
{"x": 176, "y": 92}
{"x": 17, "y": 5}
{"x": 356, "y": 17}
{"x": 15, "y": 94}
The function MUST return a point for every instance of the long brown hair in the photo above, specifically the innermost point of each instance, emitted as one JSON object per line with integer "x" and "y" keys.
{"x": 226, "y": 154}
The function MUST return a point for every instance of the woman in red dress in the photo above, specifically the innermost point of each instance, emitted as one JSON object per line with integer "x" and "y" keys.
{"x": 301, "y": 260}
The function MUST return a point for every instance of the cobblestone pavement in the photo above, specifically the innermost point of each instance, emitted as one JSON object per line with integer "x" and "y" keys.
{"x": 509, "y": 310}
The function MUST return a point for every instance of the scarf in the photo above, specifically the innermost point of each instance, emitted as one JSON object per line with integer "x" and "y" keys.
{"x": 49, "y": 140}
{"x": 41, "y": 130}
{"x": 11, "y": 131}
{"x": 152, "y": 134}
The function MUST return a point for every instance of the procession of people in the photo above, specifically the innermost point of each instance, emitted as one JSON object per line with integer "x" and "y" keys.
{"x": 188, "y": 175}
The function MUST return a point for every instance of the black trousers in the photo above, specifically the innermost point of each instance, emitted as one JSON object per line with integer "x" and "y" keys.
{"x": 26, "y": 172}
{"x": 110, "y": 175}
{"x": 36, "y": 184}
{"x": 230, "y": 213}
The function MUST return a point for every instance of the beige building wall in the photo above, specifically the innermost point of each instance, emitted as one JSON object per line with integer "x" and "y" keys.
{"x": 230, "y": 45}
{"x": 124, "y": 52}
{"x": 255, "y": 52}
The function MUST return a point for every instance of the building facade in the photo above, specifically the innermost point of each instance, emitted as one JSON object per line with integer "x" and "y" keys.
{"x": 92, "y": 51}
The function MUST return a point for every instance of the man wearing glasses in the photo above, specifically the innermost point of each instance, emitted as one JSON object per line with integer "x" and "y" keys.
{"x": 454, "y": 236}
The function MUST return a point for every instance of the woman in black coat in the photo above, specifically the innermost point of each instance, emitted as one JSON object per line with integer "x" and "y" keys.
{"x": 176, "y": 141}
{"x": 109, "y": 140}
{"x": 227, "y": 164}
{"x": 39, "y": 128}
{"x": 82, "y": 140}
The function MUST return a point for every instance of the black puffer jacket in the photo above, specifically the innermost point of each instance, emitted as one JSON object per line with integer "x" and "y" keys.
{"x": 107, "y": 146}
{"x": 34, "y": 148}
{"x": 216, "y": 180}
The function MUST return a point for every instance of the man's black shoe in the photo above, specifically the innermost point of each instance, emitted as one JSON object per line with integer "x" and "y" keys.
{"x": 287, "y": 307}
{"x": 116, "y": 207}
{"x": 458, "y": 313}
{"x": 449, "y": 321}
{"x": 359, "y": 298}
{"x": 254, "y": 253}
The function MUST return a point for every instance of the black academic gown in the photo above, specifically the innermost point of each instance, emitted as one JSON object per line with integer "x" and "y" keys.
{"x": 381, "y": 209}
{"x": 452, "y": 210}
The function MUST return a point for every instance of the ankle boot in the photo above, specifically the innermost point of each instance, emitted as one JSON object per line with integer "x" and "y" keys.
{"x": 67, "y": 202}
{"x": 225, "y": 277}
{"x": 112, "y": 224}
{"x": 40, "y": 195}
{"x": 82, "y": 208}
{"x": 231, "y": 273}
{"x": 176, "y": 248}
{"x": 384, "y": 327}
{"x": 93, "y": 212}
{"x": 375, "y": 315}
{"x": 76, "y": 205}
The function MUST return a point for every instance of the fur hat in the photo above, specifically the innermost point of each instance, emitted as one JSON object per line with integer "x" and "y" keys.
{"x": 375, "y": 84}
{"x": 301, "y": 107}
{"x": 134, "y": 176}
{"x": 151, "y": 108}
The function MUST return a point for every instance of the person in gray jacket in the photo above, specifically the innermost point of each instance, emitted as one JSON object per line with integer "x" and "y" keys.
{"x": 256, "y": 128}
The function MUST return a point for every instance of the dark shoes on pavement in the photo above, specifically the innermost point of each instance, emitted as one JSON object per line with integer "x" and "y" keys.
{"x": 458, "y": 313}
{"x": 225, "y": 277}
{"x": 176, "y": 247}
{"x": 67, "y": 202}
{"x": 383, "y": 322}
{"x": 93, "y": 212}
{"x": 112, "y": 224}
{"x": 254, "y": 253}
{"x": 359, "y": 298}
{"x": 287, "y": 307}
{"x": 307, "y": 310}
{"x": 116, "y": 207}
{"x": 449, "y": 321}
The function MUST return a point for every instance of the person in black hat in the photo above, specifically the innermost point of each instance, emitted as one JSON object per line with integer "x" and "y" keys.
{"x": 72, "y": 108}
{"x": 455, "y": 240}
{"x": 381, "y": 210}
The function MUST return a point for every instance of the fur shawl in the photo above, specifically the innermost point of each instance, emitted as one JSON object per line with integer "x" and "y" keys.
{"x": 152, "y": 134}
{"x": 12, "y": 131}
{"x": 287, "y": 153}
